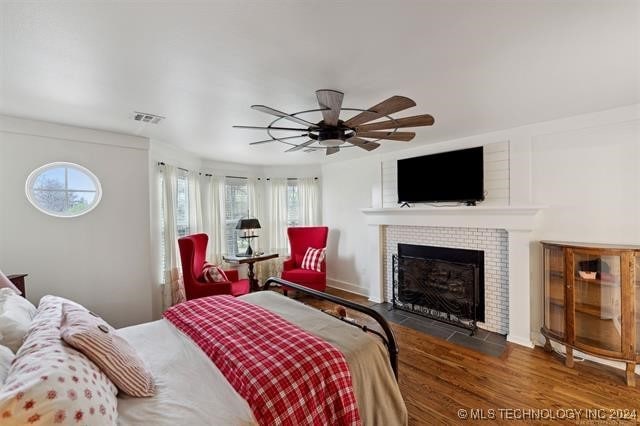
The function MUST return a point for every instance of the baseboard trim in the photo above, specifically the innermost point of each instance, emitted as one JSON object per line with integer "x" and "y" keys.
{"x": 348, "y": 287}
{"x": 522, "y": 341}
{"x": 560, "y": 348}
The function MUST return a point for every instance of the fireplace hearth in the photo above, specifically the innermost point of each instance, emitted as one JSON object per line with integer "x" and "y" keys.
{"x": 446, "y": 284}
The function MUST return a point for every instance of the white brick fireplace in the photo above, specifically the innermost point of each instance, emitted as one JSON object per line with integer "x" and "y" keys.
{"x": 503, "y": 233}
{"x": 494, "y": 244}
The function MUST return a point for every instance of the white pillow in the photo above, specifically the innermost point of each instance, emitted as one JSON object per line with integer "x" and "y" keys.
{"x": 16, "y": 314}
{"x": 6, "y": 358}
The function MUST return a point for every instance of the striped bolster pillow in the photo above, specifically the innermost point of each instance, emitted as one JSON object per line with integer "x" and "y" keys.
{"x": 100, "y": 342}
{"x": 312, "y": 259}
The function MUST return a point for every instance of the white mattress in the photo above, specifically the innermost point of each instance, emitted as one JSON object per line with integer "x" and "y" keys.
{"x": 190, "y": 389}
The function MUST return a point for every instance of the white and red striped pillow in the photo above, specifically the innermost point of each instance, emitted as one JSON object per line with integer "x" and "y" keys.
{"x": 213, "y": 274}
{"x": 312, "y": 259}
{"x": 100, "y": 342}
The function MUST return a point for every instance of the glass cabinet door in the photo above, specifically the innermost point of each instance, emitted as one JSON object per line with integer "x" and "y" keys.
{"x": 554, "y": 290}
{"x": 597, "y": 294}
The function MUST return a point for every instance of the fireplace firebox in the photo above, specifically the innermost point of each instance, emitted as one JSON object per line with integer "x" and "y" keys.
{"x": 445, "y": 284}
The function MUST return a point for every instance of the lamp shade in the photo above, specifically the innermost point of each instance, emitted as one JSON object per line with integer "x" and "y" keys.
{"x": 6, "y": 283}
{"x": 248, "y": 224}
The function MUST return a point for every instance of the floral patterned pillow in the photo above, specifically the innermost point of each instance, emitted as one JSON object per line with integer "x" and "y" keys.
{"x": 51, "y": 383}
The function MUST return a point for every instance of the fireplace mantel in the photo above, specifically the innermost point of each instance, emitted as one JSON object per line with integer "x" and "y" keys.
{"x": 519, "y": 221}
{"x": 511, "y": 218}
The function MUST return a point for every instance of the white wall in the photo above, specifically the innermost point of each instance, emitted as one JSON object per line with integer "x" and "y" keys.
{"x": 347, "y": 187}
{"x": 583, "y": 168}
{"x": 591, "y": 179}
{"x": 101, "y": 259}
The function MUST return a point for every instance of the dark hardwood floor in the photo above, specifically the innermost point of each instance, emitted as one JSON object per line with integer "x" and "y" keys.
{"x": 439, "y": 378}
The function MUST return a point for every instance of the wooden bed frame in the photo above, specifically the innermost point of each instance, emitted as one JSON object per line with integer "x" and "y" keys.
{"x": 388, "y": 338}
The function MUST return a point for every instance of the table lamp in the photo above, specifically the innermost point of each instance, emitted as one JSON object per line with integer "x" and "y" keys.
{"x": 247, "y": 226}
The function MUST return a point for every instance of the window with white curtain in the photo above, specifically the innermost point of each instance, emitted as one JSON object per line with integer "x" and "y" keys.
{"x": 175, "y": 219}
{"x": 293, "y": 203}
{"x": 300, "y": 201}
{"x": 236, "y": 206}
{"x": 181, "y": 216}
{"x": 182, "y": 203}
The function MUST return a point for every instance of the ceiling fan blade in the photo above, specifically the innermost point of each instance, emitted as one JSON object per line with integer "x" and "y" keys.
{"x": 392, "y": 136}
{"x": 302, "y": 145}
{"x": 415, "y": 121}
{"x": 276, "y": 140}
{"x": 386, "y": 107}
{"x": 270, "y": 128}
{"x": 268, "y": 110}
{"x": 331, "y": 99}
{"x": 332, "y": 149}
{"x": 361, "y": 143}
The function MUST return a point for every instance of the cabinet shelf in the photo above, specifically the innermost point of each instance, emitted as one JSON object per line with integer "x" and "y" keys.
{"x": 584, "y": 308}
{"x": 594, "y": 316}
{"x": 597, "y": 282}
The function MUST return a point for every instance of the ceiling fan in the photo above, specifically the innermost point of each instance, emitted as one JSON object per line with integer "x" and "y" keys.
{"x": 332, "y": 134}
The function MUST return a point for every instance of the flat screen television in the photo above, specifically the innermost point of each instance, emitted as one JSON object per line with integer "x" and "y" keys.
{"x": 447, "y": 176}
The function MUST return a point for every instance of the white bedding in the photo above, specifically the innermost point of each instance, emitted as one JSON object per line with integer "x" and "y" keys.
{"x": 190, "y": 389}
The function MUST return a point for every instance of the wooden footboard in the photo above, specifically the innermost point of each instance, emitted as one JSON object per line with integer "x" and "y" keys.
{"x": 389, "y": 338}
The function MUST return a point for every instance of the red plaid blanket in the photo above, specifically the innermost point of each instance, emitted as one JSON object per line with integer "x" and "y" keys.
{"x": 288, "y": 376}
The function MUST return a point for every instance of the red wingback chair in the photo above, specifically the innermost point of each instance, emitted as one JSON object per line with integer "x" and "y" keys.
{"x": 193, "y": 249}
{"x": 300, "y": 239}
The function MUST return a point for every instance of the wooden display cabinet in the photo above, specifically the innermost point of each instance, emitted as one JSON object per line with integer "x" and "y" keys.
{"x": 592, "y": 301}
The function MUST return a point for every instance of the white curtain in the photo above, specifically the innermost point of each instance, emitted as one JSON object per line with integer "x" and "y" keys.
{"x": 255, "y": 198}
{"x": 309, "y": 198}
{"x": 276, "y": 209}
{"x": 213, "y": 212}
{"x": 271, "y": 206}
{"x": 173, "y": 289}
{"x": 196, "y": 222}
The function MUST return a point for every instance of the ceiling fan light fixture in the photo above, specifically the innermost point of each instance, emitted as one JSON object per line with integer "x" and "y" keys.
{"x": 332, "y": 134}
{"x": 331, "y": 142}
{"x": 331, "y": 137}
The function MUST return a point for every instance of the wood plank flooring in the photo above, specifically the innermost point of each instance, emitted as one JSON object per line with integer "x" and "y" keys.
{"x": 438, "y": 378}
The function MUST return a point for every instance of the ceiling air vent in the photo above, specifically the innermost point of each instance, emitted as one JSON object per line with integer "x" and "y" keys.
{"x": 145, "y": 117}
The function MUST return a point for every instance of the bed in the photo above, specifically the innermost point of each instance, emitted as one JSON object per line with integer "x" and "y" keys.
{"x": 191, "y": 390}
{"x": 214, "y": 401}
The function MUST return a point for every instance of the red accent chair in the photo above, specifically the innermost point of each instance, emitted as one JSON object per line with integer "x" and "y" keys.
{"x": 300, "y": 239}
{"x": 193, "y": 249}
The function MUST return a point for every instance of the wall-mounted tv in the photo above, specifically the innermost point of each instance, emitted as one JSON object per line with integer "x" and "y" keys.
{"x": 447, "y": 176}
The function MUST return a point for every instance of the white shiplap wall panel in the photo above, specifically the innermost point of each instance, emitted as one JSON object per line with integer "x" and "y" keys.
{"x": 496, "y": 176}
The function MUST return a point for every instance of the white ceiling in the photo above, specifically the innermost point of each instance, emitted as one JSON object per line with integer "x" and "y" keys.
{"x": 476, "y": 65}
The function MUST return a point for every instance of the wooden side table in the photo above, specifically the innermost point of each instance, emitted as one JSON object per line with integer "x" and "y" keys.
{"x": 18, "y": 281}
{"x": 250, "y": 260}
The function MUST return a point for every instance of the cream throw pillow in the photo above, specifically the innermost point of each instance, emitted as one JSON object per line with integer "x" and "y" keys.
{"x": 16, "y": 314}
{"x": 6, "y": 358}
